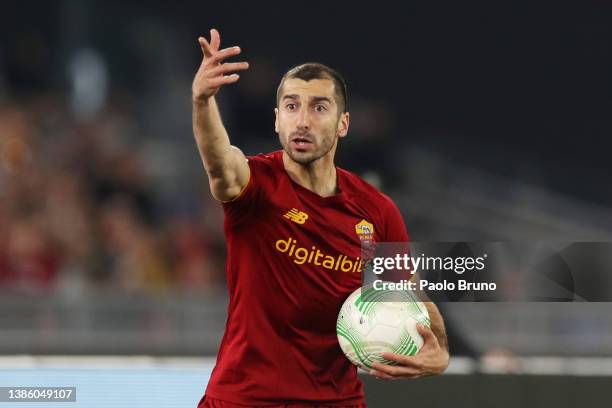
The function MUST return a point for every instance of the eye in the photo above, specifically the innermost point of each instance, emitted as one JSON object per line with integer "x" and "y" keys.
{"x": 290, "y": 106}
{"x": 320, "y": 108}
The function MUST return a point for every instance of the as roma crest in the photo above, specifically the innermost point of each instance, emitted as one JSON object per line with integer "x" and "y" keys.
{"x": 364, "y": 230}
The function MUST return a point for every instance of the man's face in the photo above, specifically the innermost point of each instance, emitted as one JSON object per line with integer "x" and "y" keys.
{"x": 308, "y": 121}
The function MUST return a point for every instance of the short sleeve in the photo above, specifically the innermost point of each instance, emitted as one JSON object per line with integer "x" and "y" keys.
{"x": 249, "y": 197}
{"x": 395, "y": 229}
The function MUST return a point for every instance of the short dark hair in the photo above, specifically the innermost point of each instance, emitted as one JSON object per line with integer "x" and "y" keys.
{"x": 315, "y": 70}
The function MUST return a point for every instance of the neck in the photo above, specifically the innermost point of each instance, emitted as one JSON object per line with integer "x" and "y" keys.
{"x": 318, "y": 176}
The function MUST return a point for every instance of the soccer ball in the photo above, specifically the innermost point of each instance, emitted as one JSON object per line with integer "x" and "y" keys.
{"x": 372, "y": 321}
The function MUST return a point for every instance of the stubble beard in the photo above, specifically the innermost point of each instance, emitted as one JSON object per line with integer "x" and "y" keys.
{"x": 307, "y": 159}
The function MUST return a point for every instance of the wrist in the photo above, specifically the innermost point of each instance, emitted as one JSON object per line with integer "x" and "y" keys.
{"x": 201, "y": 100}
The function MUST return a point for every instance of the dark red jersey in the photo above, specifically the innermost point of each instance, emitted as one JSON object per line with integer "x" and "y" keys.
{"x": 293, "y": 258}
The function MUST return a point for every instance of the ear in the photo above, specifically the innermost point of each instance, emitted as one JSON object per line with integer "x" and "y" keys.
{"x": 343, "y": 124}
{"x": 276, "y": 120}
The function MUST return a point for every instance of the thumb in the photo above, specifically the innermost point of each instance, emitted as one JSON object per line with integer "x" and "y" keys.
{"x": 426, "y": 332}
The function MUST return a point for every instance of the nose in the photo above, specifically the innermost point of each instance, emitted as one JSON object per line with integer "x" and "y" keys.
{"x": 303, "y": 120}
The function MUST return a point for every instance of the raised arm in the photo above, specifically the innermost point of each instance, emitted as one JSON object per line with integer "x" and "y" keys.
{"x": 227, "y": 168}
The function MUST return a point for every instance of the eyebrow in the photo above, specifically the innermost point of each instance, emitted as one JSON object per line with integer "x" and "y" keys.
{"x": 314, "y": 98}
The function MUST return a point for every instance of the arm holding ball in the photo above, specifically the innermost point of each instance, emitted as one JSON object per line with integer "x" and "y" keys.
{"x": 431, "y": 359}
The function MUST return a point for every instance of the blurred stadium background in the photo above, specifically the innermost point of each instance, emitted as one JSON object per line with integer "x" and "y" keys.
{"x": 487, "y": 123}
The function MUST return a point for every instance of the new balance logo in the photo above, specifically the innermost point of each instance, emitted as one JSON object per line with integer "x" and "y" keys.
{"x": 296, "y": 216}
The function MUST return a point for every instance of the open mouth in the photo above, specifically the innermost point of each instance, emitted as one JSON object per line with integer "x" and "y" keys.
{"x": 301, "y": 142}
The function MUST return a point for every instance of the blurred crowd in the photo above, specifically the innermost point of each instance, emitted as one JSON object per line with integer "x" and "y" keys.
{"x": 80, "y": 205}
{"x": 77, "y": 208}
{"x": 83, "y": 203}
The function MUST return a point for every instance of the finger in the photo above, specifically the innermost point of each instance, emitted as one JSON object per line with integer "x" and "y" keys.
{"x": 380, "y": 374}
{"x": 398, "y": 358}
{"x": 427, "y": 333}
{"x": 224, "y": 80}
{"x": 405, "y": 361}
{"x": 205, "y": 47}
{"x": 229, "y": 67}
{"x": 219, "y": 56}
{"x": 387, "y": 369}
{"x": 396, "y": 371}
{"x": 215, "y": 39}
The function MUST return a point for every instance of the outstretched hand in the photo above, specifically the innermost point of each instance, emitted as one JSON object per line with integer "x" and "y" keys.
{"x": 430, "y": 360}
{"x": 213, "y": 72}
